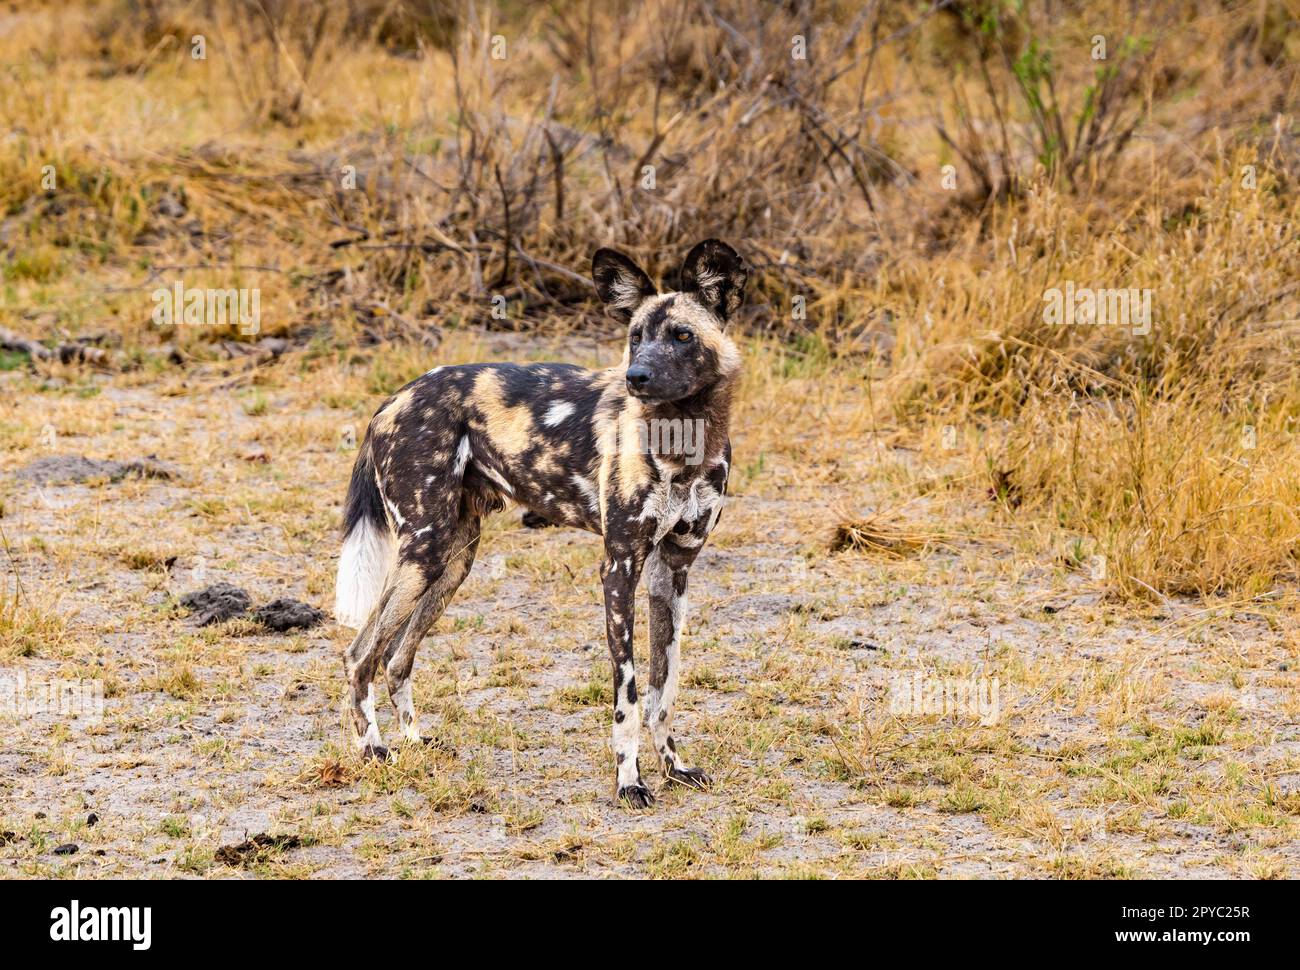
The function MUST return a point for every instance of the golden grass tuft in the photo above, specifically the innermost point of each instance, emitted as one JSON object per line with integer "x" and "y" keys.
{"x": 29, "y": 629}
{"x": 879, "y": 533}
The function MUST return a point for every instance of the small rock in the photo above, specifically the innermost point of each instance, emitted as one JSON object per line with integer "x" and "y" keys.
{"x": 216, "y": 603}
{"x": 170, "y": 207}
{"x": 256, "y": 454}
{"x": 92, "y": 818}
{"x": 66, "y": 849}
{"x": 288, "y": 614}
{"x": 258, "y": 847}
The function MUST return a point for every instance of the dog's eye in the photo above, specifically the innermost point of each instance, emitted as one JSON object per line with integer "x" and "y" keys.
{"x": 636, "y": 338}
{"x": 683, "y": 336}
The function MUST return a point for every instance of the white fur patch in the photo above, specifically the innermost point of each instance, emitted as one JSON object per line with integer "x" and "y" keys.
{"x": 717, "y": 511}
{"x": 682, "y": 503}
{"x": 404, "y": 701}
{"x": 627, "y": 731}
{"x": 495, "y": 477}
{"x": 588, "y": 490}
{"x": 368, "y": 555}
{"x": 371, "y": 737}
{"x": 556, "y": 413}
{"x": 462, "y": 456}
{"x": 627, "y": 290}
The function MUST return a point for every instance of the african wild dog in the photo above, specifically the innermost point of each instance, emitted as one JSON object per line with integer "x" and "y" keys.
{"x": 570, "y": 445}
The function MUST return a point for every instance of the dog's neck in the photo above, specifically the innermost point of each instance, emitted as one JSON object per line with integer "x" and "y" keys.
{"x": 711, "y": 406}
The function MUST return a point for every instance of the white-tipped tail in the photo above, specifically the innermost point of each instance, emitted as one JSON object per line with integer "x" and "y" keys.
{"x": 367, "y": 557}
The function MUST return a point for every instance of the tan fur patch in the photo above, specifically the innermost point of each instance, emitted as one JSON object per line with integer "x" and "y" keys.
{"x": 606, "y": 434}
{"x": 407, "y": 581}
{"x": 633, "y": 463}
{"x": 385, "y": 421}
{"x": 623, "y": 463}
{"x": 545, "y": 464}
{"x": 510, "y": 429}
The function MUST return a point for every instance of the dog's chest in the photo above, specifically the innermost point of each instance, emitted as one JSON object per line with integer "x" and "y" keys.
{"x": 680, "y": 507}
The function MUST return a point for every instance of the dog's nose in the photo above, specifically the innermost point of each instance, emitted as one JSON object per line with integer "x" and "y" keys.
{"x": 638, "y": 375}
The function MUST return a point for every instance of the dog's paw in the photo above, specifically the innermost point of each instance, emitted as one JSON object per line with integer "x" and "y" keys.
{"x": 691, "y": 777}
{"x": 635, "y": 796}
{"x": 374, "y": 752}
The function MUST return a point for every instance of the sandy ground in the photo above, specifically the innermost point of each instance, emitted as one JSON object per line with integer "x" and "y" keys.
{"x": 1159, "y": 742}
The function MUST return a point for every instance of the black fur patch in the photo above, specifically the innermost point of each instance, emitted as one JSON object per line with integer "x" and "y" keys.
{"x": 363, "y": 502}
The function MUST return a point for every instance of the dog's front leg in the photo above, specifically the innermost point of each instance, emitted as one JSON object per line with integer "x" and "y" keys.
{"x": 666, "y": 572}
{"x": 619, "y": 574}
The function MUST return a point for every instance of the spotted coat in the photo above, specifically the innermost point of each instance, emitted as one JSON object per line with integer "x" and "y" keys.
{"x": 637, "y": 454}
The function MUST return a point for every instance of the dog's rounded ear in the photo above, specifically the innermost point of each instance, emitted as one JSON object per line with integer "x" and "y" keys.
{"x": 621, "y": 283}
{"x": 715, "y": 275}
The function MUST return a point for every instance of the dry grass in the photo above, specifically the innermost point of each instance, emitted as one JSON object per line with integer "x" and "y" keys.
{"x": 236, "y": 171}
{"x": 1106, "y": 521}
{"x": 880, "y": 533}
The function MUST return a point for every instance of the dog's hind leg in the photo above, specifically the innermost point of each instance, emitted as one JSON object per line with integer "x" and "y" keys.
{"x": 406, "y": 586}
{"x": 399, "y": 657}
{"x": 666, "y": 571}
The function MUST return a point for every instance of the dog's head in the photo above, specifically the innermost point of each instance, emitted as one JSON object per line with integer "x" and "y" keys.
{"x": 676, "y": 346}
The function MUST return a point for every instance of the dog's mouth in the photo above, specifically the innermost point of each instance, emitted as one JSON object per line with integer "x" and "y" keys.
{"x": 649, "y": 396}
